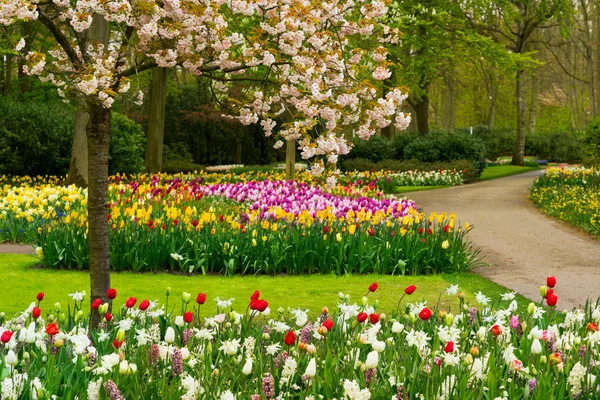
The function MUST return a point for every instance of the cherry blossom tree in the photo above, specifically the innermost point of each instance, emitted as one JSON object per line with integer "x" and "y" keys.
{"x": 317, "y": 60}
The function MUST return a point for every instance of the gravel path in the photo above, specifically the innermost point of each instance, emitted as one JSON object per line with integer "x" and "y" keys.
{"x": 521, "y": 245}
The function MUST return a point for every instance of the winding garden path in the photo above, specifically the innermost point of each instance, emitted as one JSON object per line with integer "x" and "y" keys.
{"x": 521, "y": 245}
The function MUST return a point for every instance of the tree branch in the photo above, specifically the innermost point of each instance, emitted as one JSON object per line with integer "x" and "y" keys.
{"x": 60, "y": 38}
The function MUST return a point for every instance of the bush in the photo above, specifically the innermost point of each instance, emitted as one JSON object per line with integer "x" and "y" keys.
{"x": 442, "y": 147}
{"x": 35, "y": 137}
{"x": 375, "y": 149}
{"x": 127, "y": 146}
{"x": 591, "y": 142}
{"x": 557, "y": 147}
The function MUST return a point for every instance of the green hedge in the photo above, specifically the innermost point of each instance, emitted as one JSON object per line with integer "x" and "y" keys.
{"x": 470, "y": 171}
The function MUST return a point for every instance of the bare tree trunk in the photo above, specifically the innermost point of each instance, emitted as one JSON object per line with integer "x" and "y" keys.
{"x": 156, "y": 120}
{"x": 78, "y": 169}
{"x": 290, "y": 159}
{"x": 519, "y": 154}
{"x": 421, "y": 107}
{"x": 533, "y": 105}
{"x": 98, "y": 134}
{"x": 597, "y": 58}
{"x": 449, "y": 120}
{"x": 8, "y": 74}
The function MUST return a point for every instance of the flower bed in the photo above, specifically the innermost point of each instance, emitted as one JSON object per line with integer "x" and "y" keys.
{"x": 570, "y": 194}
{"x": 146, "y": 350}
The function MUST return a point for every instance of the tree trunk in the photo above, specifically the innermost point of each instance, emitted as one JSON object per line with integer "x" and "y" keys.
{"x": 421, "y": 107}
{"x": 448, "y": 98}
{"x": 519, "y": 154}
{"x": 238, "y": 152}
{"x": 8, "y": 74}
{"x": 156, "y": 120}
{"x": 78, "y": 169}
{"x": 290, "y": 159}
{"x": 533, "y": 105}
{"x": 597, "y": 57}
{"x": 98, "y": 135}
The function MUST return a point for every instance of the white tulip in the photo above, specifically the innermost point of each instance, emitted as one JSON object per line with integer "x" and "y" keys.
{"x": 378, "y": 346}
{"x": 247, "y": 367}
{"x": 11, "y": 358}
{"x": 397, "y": 327}
{"x": 372, "y": 360}
{"x": 170, "y": 335}
{"x": 311, "y": 369}
{"x": 536, "y": 346}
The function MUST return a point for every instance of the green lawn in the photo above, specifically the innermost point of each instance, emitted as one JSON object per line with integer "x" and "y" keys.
{"x": 500, "y": 171}
{"x": 406, "y": 189}
{"x": 20, "y": 283}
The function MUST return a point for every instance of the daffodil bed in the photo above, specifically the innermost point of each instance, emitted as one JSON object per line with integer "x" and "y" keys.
{"x": 570, "y": 194}
{"x": 420, "y": 351}
{"x": 231, "y": 224}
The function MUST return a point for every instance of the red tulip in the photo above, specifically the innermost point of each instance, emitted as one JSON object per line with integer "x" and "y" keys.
{"x": 328, "y": 324}
{"x": 374, "y": 318}
{"x": 130, "y": 302}
{"x": 420, "y": 230}
{"x": 201, "y": 299}
{"x": 6, "y": 335}
{"x": 144, "y": 305}
{"x": 429, "y": 231}
{"x": 52, "y": 329}
{"x": 111, "y": 293}
{"x": 496, "y": 330}
{"x": 410, "y": 290}
{"x": 446, "y": 228}
{"x": 96, "y": 304}
{"x": 326, "y": 229}
{"x": 117, "y": 344}
{"x": 551, "y": 299}
{"x": 40, "y": 296}
{"x": 371, "y": 231}
{"x": 373, "y": 287}
{"x": 290, "y": 338}
{"x": 255, "y": 295}
{"x": 551, "y": 281}
{"x": 449, "y": 348}
{"x": 188, "y": 317}
{"x": 592, "y": 327}
{"x": 362, "y": 317}
{"x": 36, "y": 312}
{"x": 108, "y": 317}
{"x": 425, "y": 314}
{"x": 262, "y": 305}
{"x": 195, "y": 223}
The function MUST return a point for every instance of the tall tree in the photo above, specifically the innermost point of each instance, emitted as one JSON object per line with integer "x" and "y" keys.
{"x": 302, "y": 55}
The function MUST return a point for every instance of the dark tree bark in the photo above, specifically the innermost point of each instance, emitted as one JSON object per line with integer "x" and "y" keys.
{"x": 98, "y": 135}
{"x": 78, "y": 169}
{"x": 421, "y": 107}
{"x": 156, "y": 120}
{"x": 519, "y": 154}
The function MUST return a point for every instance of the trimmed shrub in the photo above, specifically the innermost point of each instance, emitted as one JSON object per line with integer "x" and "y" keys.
{"x": 127, "y": 146}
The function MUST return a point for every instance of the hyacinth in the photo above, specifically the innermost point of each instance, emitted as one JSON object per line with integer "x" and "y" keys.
{"x": 113, "y": 391}
{"x": 306, "y": 333}
{"x": 177, "y": 362}
{"x": 268, "y": 386}
{"x": 187, "y": 335}
{"x": 370, "y": 375}
{"x": 154, "y": 354}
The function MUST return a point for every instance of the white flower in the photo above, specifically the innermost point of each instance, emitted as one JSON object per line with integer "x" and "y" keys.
{"x": 536, "y": 347}
{"x": 170, "y": 335}
{"x": 11, "y": 358}
{"x": 278, "y": 144}
{"x": 247, "y": 367}
{"x": 378, "y": 346}
{"x": 227, "y": 395}
{"x": 93, "y": 390}
{"x": 223, "y": 303}
{"x": 508, "y": 296}
{"x": 311, "y": 369}
{"x": 176, "y": 257}
{"x": 125, "y": 368}
{"x": 230, "y": 347}
{"x": 372, "y": 360}
{"x": 482, "y": 299}
{"x": 353, "y": 392}
{"x": 397, "y": 327}
{"x": 179, "y": 320}
{"x": 20, "y": 45}
{"x": 273, "y": 349}
{"x": 452, "y": 290}
{"x": 77, "y": 296}
{"x": 301, "y": 316}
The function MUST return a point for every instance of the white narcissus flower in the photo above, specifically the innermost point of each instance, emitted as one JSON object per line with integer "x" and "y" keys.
{"x": 247, "y": 367}
{"x": 311, "y": 369}
{"x": 170, "y": 335}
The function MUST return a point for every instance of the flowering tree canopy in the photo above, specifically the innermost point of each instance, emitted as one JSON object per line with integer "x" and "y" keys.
{"x": 318, "y": 60}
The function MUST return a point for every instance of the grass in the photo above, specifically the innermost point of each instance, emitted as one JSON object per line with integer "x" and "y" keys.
{"x": 406, "y": 189}
{"x": 21, "y": 281}
{"x": 500, "y": 171}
